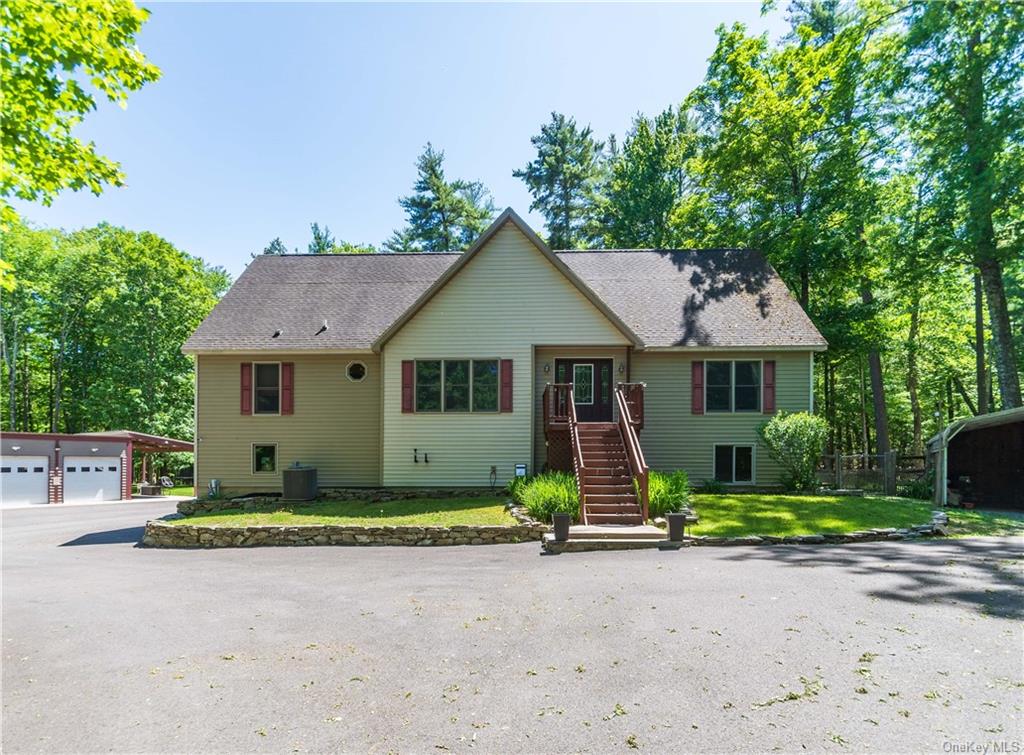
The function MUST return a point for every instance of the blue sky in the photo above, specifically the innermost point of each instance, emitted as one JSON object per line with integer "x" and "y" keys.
{"x": 271, "y": 116}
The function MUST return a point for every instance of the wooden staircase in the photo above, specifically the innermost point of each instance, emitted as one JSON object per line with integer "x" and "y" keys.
{"x": 604, "y": 457}
{"x": 607, "y": 482}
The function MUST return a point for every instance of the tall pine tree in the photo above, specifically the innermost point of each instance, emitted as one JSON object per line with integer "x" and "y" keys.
{"x": 563, "y": 179}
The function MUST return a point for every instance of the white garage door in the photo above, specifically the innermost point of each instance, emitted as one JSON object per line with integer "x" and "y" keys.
{"x": 23, "y": 479}
{"x": 92, "y": 478}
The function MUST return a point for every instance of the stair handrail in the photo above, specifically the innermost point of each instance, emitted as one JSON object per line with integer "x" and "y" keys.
{"x": 634, "y": 454}
{"x": 635, "y": 402}
{"x": 578, "y": 468}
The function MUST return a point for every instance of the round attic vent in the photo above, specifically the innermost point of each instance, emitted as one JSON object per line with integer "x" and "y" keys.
{"x": 356, "y": 371}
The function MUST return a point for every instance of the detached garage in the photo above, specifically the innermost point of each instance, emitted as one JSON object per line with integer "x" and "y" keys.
{"x": 61, "y": 468}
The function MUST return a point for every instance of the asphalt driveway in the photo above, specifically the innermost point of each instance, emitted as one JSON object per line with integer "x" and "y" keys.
{"x": 911, "y": 646}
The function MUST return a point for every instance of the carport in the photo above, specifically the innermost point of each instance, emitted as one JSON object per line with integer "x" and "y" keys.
{"x": 40, "y": 468}
{"x": 982, "y": 459}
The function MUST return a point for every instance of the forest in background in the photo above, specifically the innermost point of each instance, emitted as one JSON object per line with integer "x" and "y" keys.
{"x": 874, "y": 154}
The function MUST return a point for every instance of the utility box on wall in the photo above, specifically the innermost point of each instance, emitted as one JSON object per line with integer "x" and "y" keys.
{"x": 298, "y": 483}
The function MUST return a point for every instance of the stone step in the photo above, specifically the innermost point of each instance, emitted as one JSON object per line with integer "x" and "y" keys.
{"x": 583, "y": 545}
{"x": 616, "y": 532}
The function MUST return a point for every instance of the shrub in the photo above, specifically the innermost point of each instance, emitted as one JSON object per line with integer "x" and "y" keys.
{"x": 515, "y": 488}
{"x": 712, "y": 487}
{"x": 668, "y": 491}
{"x": 549, "y": 493}
{"x": 796, "y": 441}
{"x": 921, "y": 488}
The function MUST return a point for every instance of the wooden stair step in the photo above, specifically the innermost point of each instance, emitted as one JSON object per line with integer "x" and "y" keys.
{"x": 607, "y": 479}
{"x": 621, "y": 487}
{"x": 614, "y": 519}
{"x": 612, "y": 508}
{"x": 590, "y": 498}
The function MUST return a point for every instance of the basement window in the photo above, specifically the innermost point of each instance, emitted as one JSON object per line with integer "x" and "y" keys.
{"x": 734, "y": 464}
{"x": 264, "y": 458}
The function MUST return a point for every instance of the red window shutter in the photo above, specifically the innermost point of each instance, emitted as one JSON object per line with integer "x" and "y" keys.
{"x": 408, "y": 371}
{"x": 287, "y": 388}
{"x": 246, "y": 387}
{"x": 505, "y": 380}
{"x": 697, "y": 384}
{"x": 768, "y": 404}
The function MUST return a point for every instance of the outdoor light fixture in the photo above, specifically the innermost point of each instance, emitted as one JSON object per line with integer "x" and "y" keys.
{"x": 94, "y": 450}
{"x": 547, "y": 367}
{"x": 15, "y": 448}
{"x": 622, "y": 368}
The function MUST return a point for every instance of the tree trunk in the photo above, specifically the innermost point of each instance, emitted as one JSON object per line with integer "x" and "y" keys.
{"x": 877, "y": 385}
{"x": 981, "y": 373}
{"x": 865, "y": 437}
{"x": 980, "y": 228}
{"x": 10, "y": 355}
{"x": 1002, "y": 334}
{"x": 913, "y": 375}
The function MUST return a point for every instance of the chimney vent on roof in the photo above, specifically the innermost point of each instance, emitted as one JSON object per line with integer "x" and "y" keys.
{"x": 322, "y": 328}
{"x": 276, "y": 333}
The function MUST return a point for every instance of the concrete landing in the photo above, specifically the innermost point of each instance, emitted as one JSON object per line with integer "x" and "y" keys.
{"x": 616, "y": 532}
{"x": 578, "y": 545}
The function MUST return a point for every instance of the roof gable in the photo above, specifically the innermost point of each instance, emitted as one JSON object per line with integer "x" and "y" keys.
{"x": 508, "y": 216}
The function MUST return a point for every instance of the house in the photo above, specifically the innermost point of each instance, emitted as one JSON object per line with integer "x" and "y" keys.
{"x": 74, "y": 467}
{"x": 430, "y": 370}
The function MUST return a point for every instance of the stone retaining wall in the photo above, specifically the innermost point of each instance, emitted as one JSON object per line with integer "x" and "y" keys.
{"x": 162, "y": 534}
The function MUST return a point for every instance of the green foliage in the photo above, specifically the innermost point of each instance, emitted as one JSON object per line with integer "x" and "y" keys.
{"x": 95, "y": 326}
{"x": 275, "y": 247}
{"x": 443, "y": 215}
{"x": 563, "y": 179}
{"x": 668, "y": 491}
{"x": 550, "y": 493}
{"x": 515, "y": 486}
{"x": 796, "y": 441}
{"x": 55, "y": 54}
{"x": 647, "y": 183}
{"x": 921, "y": 488}
{"x": 711, "y": 486}
{"x": 322, "y": 241}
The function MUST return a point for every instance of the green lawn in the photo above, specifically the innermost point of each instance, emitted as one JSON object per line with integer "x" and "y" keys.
{"x": 180, "y": 490}
{"x": 417, "y": 512}
{"x": 780, "y": 515}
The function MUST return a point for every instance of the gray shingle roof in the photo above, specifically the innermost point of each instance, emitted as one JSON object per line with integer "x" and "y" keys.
{"x": 358, "y": 295}
{"x": 716, "y": 297}
{"x": 720, "y": 298}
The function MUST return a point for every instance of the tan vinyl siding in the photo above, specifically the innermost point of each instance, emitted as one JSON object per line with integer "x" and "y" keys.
{"x": 546, "y": 355}
{"x": 674, "y": 438}
{"x": 335, "y": 426}
{"x": 505, "y": 300}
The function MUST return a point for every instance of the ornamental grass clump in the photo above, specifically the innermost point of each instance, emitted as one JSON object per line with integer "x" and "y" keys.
{"x": 667, "y": 491}
{"x": 547, "y": 494}
{"x": 796, "y": 441}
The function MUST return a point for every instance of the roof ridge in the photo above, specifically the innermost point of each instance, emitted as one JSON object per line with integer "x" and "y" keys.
{"x": 660, "y": 250}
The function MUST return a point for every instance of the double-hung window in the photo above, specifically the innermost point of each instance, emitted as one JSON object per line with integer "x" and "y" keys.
{"x": 733, "y": 386}
{"x": 266, "y": 388}
{"x": 457, "y": 385}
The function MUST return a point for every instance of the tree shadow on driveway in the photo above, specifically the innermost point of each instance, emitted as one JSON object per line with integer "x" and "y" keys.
{"x": 983, "y": 574}
{"x": 109, "y": 537}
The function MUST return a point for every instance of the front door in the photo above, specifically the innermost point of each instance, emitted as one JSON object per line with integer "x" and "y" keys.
{"x": 592, "y": 386}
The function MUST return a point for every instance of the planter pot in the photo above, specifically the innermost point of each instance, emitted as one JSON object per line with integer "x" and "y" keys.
{"x": 561, "y": 523}
{"x": 676, "y": 525}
